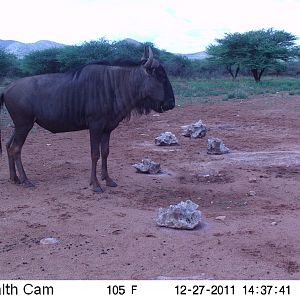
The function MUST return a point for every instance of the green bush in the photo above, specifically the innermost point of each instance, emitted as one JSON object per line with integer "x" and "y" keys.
{"x": 72, "y": 57}
{"x": 9, "y": 65}
{"x": 40, "y": 62}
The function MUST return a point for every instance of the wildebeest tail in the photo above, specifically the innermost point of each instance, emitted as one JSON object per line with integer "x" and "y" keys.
{"x": 1, "y": 104}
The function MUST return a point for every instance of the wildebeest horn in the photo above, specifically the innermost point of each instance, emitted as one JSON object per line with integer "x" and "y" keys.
{"x": 145, "y": 55}
{"x": 149, "y": 61}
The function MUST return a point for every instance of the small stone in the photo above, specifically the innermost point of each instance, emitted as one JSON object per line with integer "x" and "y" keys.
{"x": 274, "y": 223}
{"x": 183, "y": 215}
{"x": 221, "y": 218}
{"x": 216, "y": 146}
{"x": 252, "y": 180}
{"x": 147, "y": 166}
{"x": 196, "y": 130}
{"x": 251, "y": 193}
{"x": 166, "y": 139}
{"x": 49, "y": 241}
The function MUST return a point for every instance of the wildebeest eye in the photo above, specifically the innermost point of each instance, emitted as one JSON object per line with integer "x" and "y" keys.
{"x": 159, "y": 73}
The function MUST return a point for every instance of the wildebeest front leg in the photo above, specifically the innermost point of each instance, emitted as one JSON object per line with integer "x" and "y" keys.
{"x": 11, "y": 162}
{"x": 95, "y": 138}
{"x": 104, "y": 156}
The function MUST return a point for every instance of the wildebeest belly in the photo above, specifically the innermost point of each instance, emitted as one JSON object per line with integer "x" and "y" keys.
{"x": 61, "y": 114}
{"x": 61, "y": 125}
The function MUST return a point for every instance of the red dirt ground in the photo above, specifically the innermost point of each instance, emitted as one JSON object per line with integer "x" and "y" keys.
{"x": 113, "y": 235}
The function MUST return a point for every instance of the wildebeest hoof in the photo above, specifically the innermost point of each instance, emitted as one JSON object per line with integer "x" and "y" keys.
{"x": 111, "y": 183}
{"x": 97, "y": 189}
{"x": 28, "y": 184}
{"x": 96, "y": 186}
{"x": 15, "y": 180}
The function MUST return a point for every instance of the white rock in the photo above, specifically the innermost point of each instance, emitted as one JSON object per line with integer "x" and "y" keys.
{"x": 216, "y": 146}
{"x": 183, "y": 215}
{"x": 166, "y": 139}
{"x": 252, "y": 180}
{"x": 196, "y": 130}
{"x": 251, "y": 193}
{"x": 147, "y": 166}
{"x": 221, "y": 218}
{"x": 49, "y": 241}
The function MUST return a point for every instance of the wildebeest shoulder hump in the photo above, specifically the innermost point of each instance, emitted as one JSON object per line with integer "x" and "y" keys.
{"x": 75, "y": 73}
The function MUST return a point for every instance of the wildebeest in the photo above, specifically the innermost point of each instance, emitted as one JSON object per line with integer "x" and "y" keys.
{"x": 96, "y": 97}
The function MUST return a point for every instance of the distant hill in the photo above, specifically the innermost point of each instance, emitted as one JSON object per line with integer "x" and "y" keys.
{"x": 5, "y": 43}
{"x": 197, "y": 55}
{"x": 22, "y": 49}
{"x": 132, "y": 42}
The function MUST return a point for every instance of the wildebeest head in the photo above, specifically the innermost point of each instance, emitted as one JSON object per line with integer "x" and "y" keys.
{"x": 157, "y": 92}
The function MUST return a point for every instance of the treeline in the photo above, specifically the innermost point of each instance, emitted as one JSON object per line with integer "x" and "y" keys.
{"x": 71, "y": 57}
{"x": 221, "y": 62}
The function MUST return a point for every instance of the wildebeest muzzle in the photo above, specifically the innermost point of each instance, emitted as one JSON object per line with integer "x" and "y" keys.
{"x": 169, "y": 104}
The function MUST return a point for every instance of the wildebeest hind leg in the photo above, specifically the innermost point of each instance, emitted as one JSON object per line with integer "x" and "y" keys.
{"x": 95, "y": 138}
{"x": 11, "y": 162}
{"x": 16, "y": 148}
{"x": 104, "y": 156}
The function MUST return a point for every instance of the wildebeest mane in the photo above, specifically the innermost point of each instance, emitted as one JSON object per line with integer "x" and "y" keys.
{"x": 106, "y": 93}
{"x": 75, "y": 73}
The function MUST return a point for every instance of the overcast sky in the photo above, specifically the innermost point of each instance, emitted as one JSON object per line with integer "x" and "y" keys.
{"x": 179, "y": 26}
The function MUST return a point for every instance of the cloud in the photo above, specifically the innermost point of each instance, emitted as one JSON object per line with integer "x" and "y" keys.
{"x": 175, "y": 25}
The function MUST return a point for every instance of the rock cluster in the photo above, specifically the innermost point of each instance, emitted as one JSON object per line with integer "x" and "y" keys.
{"x": 166, "y": 139}
{"x": 147, "y": 166}
{"x": 216, "y": 146}
{"x": 183, "y": 215}
{"x": 196, "y": 130}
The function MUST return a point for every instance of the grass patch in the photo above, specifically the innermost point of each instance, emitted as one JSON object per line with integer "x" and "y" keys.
{"x": 200, "y": 90}
{"x": 296, "y": 92}
{"x": 237, "y": 94}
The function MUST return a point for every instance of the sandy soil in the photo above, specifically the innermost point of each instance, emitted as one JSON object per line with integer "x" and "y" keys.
{"x": 113, "y": 235}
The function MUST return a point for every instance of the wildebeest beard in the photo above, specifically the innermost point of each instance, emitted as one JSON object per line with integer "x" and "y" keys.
{"x": 145, "y": 106}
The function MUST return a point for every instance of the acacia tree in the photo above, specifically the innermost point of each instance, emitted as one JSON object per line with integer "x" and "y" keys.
{"x": 255, "y": 50}
{"x": 226, "y": 53}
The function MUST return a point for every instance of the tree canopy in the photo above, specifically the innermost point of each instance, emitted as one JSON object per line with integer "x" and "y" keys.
{"x": 254, "y": 50}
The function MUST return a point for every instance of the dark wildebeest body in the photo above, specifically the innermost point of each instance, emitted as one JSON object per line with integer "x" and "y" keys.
{"x": 96, "y": 97}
